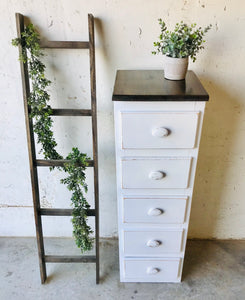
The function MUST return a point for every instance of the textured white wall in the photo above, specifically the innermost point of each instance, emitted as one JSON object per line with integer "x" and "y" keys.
{"x": 125, "y": 31}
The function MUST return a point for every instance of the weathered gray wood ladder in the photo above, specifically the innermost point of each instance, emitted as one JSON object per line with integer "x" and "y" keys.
{"x": 34, "y": 162}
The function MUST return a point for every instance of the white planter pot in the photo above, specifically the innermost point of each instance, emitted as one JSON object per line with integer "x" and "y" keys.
{"x": 175, "y": 68}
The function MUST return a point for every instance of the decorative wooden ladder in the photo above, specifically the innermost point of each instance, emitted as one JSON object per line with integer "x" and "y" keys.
{"x": 34, "y": 162}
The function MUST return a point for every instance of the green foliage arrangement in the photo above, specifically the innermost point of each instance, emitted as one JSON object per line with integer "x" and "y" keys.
{"x": 184, "y": 41}
{"x": 41, "y": 112}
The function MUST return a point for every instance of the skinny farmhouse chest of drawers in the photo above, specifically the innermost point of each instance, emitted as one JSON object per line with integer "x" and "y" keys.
{"x": 157, "y": 129}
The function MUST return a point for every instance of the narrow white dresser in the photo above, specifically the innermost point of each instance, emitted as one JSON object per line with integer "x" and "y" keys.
{"x": 158, "y": 127}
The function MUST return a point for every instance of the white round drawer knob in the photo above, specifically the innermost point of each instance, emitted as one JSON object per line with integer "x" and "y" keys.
{"x": 160, "y": 132}
{"x": 156, "y": 175}
{"x": 153, "y": 243}
{"x": 154, "y": 212}
{"x": 152, "y": 271}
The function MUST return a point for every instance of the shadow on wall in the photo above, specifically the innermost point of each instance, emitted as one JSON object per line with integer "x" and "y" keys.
{"x": 218, "y": 136}
{"x": 100, "y": 38}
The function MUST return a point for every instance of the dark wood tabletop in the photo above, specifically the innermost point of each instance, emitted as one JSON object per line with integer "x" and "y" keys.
{"x": 150, "y": 85}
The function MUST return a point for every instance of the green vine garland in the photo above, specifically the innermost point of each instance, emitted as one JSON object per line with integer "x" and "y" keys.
{"x": 40, "y": 112}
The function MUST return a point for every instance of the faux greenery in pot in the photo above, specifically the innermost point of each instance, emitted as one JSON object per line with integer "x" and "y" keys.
{"x": 177, "y": 46}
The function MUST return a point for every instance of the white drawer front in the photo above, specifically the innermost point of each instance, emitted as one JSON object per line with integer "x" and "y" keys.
{"x": 152, "y": 243}
{"x": 159, "y": 129}
{"x": 152, "y": 270}
{"x": 154, "y": 173}
{"x": 150, "y": 210}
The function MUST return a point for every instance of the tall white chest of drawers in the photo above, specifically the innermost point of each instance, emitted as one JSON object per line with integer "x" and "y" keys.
{"x": 157, "y": 132}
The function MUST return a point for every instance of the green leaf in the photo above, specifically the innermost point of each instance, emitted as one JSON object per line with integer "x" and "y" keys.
{"x": 185, "y": 40}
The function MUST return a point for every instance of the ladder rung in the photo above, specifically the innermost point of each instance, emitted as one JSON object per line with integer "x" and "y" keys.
{"x": 62, "y": 212}
{"x": 57, "y": 162}
{"x": 71, "y": 112}
{"x": 64, "y": 44}
{"x": 69, "y": 259}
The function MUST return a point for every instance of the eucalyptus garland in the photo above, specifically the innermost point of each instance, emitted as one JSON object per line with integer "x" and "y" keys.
{"x": 41, "y": 112}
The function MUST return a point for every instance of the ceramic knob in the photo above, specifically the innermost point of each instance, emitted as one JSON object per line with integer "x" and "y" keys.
{"x": 153, "y": 243}
{"x": 152, "y": 271}
{"x": 160, "y": 132}
{"x": 156, "y": 175}
{"x": 154, "y": 212}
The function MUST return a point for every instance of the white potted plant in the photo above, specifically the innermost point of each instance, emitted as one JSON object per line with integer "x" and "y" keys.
{"x": 177, "y": 46}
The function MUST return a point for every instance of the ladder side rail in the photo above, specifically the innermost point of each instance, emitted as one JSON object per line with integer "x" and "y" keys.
{"x": 95, "y": 142}
{"x": 31, "y": 153}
